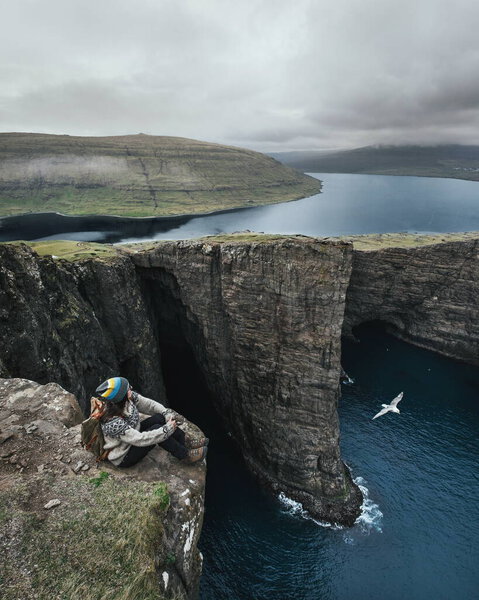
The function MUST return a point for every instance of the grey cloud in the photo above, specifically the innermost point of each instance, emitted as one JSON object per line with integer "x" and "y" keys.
{"x": 263, "y": 73}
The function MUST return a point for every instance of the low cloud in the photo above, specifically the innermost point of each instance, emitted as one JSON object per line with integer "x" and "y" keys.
{"x": 265, "y": 74}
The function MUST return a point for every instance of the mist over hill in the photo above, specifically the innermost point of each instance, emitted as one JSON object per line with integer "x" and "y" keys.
{"x": 138, "y": 175}
{"x": 460, "y": 162}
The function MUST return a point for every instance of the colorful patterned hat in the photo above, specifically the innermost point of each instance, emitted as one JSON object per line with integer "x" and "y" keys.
{"x": 114, "y": 389}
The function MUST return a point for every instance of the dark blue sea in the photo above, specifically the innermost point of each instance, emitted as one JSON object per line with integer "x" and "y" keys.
{"x": 418, "y": 535}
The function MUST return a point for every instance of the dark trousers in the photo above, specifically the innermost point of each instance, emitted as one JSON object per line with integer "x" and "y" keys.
{"x": 175, "y": 444}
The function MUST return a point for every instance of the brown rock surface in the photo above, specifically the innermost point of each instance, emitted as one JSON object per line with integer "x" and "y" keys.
{"x": 262, "y": 314}
{"x": 75, "y": 323}
{"x": 263, "y": 317}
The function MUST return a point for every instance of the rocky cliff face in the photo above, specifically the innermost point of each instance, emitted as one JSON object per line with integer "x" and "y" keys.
{"x": 264, "y": 321}
{"x": 262, "y": 317}
{"x": 74, "y": 529}
{"x": 424, "y": 289}
{"x": 74, "y": 322}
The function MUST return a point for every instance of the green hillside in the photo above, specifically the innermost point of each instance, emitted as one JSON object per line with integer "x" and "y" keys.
{"x": 138, "y": 175}
{"x": 459, "y": 162}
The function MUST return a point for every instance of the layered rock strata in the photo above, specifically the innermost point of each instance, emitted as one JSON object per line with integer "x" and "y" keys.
{"x": 74, "y": 323}
{"x": 424, "y": 289}
{"x": 262, "y": 316}
{"x": 264, "y": 321}
{"x": 74, "y": 529}
{"x": 138, "y": 176}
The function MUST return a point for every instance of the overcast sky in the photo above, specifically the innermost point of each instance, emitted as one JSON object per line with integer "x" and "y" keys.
{"x": 263, "y": 74}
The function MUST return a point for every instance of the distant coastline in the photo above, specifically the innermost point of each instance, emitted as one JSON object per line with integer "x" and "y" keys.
{"x": 138, "y": 176}
{"x": 445, "y": 161}
{"x": 32, "y": 221}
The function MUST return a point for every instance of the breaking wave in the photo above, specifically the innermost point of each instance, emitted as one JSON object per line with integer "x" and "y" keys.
{"x": 371, "y": 516}
{"x": 293, "y": 508}
{"x": 369, "y": 520}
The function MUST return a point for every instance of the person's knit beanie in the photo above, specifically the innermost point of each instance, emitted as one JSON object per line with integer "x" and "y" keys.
{"x": 113, "y": 389}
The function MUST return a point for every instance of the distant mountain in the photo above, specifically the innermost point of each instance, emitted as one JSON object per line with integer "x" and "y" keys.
{"x": 138, "y": 175}
{"x": 456, "y": 161}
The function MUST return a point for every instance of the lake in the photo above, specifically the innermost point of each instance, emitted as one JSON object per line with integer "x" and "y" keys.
{"x": 348, "y": 205}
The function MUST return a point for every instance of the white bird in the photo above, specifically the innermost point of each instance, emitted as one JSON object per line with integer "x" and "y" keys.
{"x": 389, "y": 407}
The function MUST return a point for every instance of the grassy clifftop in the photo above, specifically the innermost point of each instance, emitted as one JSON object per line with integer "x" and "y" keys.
{"x": 74, "y": 251}
{"x": 138, "y": 175}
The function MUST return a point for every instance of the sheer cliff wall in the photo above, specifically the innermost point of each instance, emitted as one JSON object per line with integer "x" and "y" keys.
{"x": 423, "y": 288}
{"x": 74, "y": 323}
{"x": 263, "y": 319}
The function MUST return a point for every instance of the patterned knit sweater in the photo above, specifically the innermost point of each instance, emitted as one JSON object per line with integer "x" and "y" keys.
{"x": 122, "y": 432}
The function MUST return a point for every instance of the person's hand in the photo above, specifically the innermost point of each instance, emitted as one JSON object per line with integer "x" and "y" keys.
{"x": 171, "y": 414}
{"x": 173, "y": 423}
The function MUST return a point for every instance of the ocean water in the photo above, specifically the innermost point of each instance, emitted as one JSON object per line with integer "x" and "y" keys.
{"x": 417, "y": 536}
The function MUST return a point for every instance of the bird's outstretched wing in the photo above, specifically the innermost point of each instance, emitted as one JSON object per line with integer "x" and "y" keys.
{"x": 380, "y": 413}
{"x": 397, "y": 399}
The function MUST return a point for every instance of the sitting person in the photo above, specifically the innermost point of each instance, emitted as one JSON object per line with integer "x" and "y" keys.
{"x": 128, "y": 439}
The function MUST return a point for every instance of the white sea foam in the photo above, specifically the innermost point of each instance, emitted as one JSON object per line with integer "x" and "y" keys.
{"x": 293, "y": 508}
{"x": 371, "y": 517}
{"x": 369, "y": 520}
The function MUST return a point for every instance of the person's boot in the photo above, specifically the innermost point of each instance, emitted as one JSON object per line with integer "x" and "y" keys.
{"x": 198, "y": 442}
{"x": 196, "y": 454}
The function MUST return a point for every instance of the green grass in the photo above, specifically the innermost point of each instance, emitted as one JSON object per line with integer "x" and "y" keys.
{"x": 99, "y": 479}
{"x": 108, "y": 201}
{"x": 102, "y": 543}
{"x": 161, "y": 493}
{"x": 138, "y": 176}
{"x": 247, "y": 237}
{"x": 379, "y": 241}
{"x": 74, "y": 251}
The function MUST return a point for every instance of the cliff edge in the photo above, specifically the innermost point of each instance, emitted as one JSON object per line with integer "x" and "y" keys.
{"x": 262, "y": 316}
{"x": 424, "y": 288}
{"x": 72, "y": 528}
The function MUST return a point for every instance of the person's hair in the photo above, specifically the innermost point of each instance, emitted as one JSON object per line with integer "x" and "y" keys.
{"x": 113, "y": 409}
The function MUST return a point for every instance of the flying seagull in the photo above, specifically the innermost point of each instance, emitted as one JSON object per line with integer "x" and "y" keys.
{"x": 389, "y": 407}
